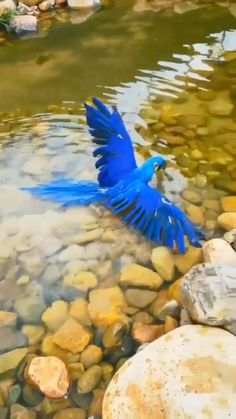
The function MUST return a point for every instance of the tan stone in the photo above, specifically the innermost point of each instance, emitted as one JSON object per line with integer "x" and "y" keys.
{"x": 91, "y": 355}
{"x": 145, "y": 333}
{"x": 227, "y": 220}
{"x": 174, "y": 291}
{"x": 192, "y": 257}
{"x": 49, "y": 375}
{"x": 54, "y": 316}
{"x": 228, "y": 203}
{"x": 83, "y": 281}
{"x": 34, "y": 333}
{"x": 218, "y": 251}
{"x": 7, "y": 318}
{"x": 138, "y": 276}
{"x": 170, "y": 324}
{"x": 195, "y": 214}
{"x": 79, "y": 311}
{"x": 72, "y": 336}
{"x": 106, "y": 305}
{"x": 49, "y": 347}
{"x": 162, "y": 260}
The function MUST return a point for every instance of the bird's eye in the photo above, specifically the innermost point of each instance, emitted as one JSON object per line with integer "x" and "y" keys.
{"x": 156, "y": 165}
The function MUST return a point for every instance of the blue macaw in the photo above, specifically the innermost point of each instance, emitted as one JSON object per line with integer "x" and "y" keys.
{"x": 123, "y": 187}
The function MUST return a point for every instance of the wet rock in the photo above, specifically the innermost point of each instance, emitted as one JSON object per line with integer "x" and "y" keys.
{"x": 70, "y": 413}
{"x": 106, "y": 305}
{"x": 14, "y": 394}
{"x": 230, "y": 237}
{"x": 46, "y": 5}
{"x": 20, "y": 412}
{"x": 29, "y": 309}
{"x": 208, "y": 295}
{"x": 195, "y": 214}
{"x": 72, "y": 252}
{"x": 192, "y": 257}
{"x": 96, "y": 405}
{"x": 140, "y": 298}
{"x": 143, "y": 317}
{"x": 107, "y": 372}
{"x": 145, "y": 333}
{"x": 72, "y": 336}
{"x": 91, "y": 355}
{"x": 24, "y": 23}
{"x": 49, "y": 406}
{"x": 90, "y": 379}
{"x": 70, "y": 294}
{"x": 51, "y": 245}
{"x": 138, "y": 276}
{"x": 192, "y": 196}
{"x": 170, "y": 324}
{"x": 11, "y": 339}
{"x": 76, "y": 370}
{"x": 34, "y": 334}
{"x": 31, "y": 396}
{"x": 10, "y": 360}
{"x": 159, "y": 303}
{"x": 211, "y": 204}
{"x": 81, "y": 400}
{"x": 32, "y": 262}
{"x": 218, "y": 251}
{"x": 170, "y": 308}
{"x": 83, "y": 281}
{"x": 49, "y": 375}
{"x": 227, "y": 220}
{"x": 174, "y": 291}
{"x": 49, "y": 348}
{"x": 54, "y": 316}
{"x": 220, "y": 107}
{"x": 178, "y": 389}
{"x": 79, "y": 311}
{"x": 83, "y": 4}
{"x": 228, "y": 203}
{"x": 162, "y": 260}
{"x": 89, "y": 236}
{"x": 113, "y": 335}
{"x": 7, "y": 318}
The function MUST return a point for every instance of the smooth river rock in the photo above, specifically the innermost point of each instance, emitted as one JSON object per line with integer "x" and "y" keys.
{"x": 188, "y": 373}
{"x": 209, "y": 295}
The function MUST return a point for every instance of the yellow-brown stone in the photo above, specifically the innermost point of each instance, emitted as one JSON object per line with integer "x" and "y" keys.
{"x": 72, "y": 336}
{"x": 106, "y": 305}
{"x": 138, "y": 276}
{"x": 228, "y": 203}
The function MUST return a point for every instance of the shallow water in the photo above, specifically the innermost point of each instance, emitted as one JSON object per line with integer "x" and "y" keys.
{"x": 172, "y": 76}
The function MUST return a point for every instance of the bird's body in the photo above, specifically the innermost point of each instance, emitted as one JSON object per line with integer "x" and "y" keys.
{"x": 122, "y": 186}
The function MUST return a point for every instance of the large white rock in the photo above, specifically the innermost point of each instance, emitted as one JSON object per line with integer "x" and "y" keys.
{"x": 218, "y": 251}
{"x": 187, "y": 373}
{"x": 209, "y": 295}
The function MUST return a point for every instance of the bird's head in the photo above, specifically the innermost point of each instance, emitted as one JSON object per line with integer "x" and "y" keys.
{"x": 152, "y": 165}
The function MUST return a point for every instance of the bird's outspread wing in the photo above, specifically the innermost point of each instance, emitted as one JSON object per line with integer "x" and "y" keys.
{"x": 115, "y": 151}
{"x": 158, "y": 219}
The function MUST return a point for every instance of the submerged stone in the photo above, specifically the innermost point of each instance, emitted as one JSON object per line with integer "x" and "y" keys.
{"x": 106, "y": 306}
{"x": 138, "y": 276}
{"x": 72, "y": 336}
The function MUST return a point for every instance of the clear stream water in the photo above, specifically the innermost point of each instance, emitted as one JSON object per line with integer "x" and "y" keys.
{"x": 164, "y": 71}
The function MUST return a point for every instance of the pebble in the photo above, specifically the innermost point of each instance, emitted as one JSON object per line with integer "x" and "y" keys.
{"x": 23, "y": 280}
{"x": 162, "y": 260}
{"x": 174, "y": 291}
{"x": 7, "y": 318}
{"x": 89, "y": 236}
{"x": 72, "y": 336}
{"x": 31, "y": 396}
{"x": 90, "y": 379}
{"x": 143, "y": 317}
{"x": 195, "y": 214}
{"x": 138, "y": 276}
{"x": 29, "y": 309}
{"x": 79, "y": 311}
{"x": 20, "y": 412}
{"x": 76, "y": 369}
{"x": 106, "y": 306}
{"x": 160, "y": 301}
{"x": 95, "y": 409}
{"x": 192, "y": 257}
{"x": 211, "y": 204}
{"x": 140, "y": 298}
{"x": 70, "y": 413}
{"x": 54, "y": 316}
{"x": 49, "y": 375}
{"x": 14, "y": 394}
{"x": 228, "y": 203}
{"x": 34, "y": 334}
{"x": 91, "y": 355}
{"x": 83, "y": 281}
{"x": 46, "y": 5}
{"x": 11, "y": 360}
{"x": 32, "y": 262}
{"x": 218, "y": 251}
{"x": 145, "y": 333}
{"x": 227, "y": 220}
{"x": 191, "y": 196}
{"x": 72, "y": 252}
{"x": 113, "y": 335}
{"x": 220, "y": 107}
{"x": 170, "y": 324}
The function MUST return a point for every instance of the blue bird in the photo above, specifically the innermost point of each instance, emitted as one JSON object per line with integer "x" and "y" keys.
{"x": 122, "y": 186}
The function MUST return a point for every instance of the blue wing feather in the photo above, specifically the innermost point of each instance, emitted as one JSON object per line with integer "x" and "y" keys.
{"x": 153, "y": 214}
{"x": 116, "y": 156}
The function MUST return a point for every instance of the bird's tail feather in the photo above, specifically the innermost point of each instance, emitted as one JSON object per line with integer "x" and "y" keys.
{"x": 69, "y": 192}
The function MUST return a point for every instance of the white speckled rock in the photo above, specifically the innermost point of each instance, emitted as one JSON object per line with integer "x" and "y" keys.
{"x": 218, "y": 251}
{"x": 187, "y": 373}
{"x": 209, "y": 295}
